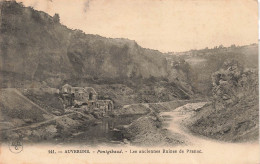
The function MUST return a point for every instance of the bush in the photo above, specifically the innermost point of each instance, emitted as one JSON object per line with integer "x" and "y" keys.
{"x": 232, "y": 82}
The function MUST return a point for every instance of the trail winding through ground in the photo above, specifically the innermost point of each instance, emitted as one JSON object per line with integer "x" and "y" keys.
{"x": 212, "y": 148}
{"x": 175, "y": 118}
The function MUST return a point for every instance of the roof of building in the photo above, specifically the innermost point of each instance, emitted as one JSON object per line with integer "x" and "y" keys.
{"x": 66, "y": 85}
{"x": 78, "y": 88}
{"x": 90, "y": 89}
{"x": 86, "y": 89}
{"x": 104, "y": 101}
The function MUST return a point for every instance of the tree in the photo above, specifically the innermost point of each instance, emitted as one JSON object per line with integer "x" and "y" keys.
{"x": 233, "y": 46}
{"x": 56, "y": 18}
{"x": 221, "y": 46}
{"x": 232, "y": 83}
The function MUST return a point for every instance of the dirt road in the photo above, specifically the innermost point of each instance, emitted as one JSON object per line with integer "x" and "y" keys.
{"x": 174, "y": 119}
{"x": 212, "y": 148}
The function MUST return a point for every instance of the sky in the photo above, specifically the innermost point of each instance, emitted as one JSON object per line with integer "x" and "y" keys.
{"x": 165, "y": 25}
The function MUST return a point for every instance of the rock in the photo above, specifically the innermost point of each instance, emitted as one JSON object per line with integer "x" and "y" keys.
{"x": 51, "y": 129}
{"x": 28, "y": 121}
{"x": 57, "y": 113}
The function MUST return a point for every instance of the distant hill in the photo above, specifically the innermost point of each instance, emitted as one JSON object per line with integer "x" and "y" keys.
{"x": 203, "y": 63}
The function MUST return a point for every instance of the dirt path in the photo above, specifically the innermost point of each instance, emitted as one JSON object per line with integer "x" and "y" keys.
{"x": 34, "y": 125}
{"x": 46, "y": 121}
{"x": 174, "y": 121}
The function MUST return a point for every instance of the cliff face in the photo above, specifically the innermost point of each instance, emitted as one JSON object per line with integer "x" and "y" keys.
{"x": 36, "y": 47}
{"x": 234, "y": 112}
{"x": 232, "y": 83}
{"x": 33, "y": 45}
{"x": 113, "y": 58}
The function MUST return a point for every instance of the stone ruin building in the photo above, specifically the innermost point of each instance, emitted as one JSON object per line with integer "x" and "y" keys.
{"x": 85, "y": 98}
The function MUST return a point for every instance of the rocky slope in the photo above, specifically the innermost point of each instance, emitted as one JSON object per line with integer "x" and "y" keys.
{"x": 36, "y": 47}
{"x": 38, "y": 51}
{"x": 234, "y": 113}
{"x": 199, "y": 65}
{"x": 17, "y": 110}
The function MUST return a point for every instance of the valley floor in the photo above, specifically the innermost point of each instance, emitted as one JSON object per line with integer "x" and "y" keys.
{"x": 144, "y": 124}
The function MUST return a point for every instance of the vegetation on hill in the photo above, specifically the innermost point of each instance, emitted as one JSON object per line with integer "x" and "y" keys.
{"x": 234, "y": 112}
{"x": 199, "y": 65}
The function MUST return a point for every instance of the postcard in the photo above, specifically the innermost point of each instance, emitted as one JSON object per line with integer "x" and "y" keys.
{"x": 129, "y": 81}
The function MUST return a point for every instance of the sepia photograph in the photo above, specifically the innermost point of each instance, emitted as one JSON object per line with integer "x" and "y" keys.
{"x": 129, "y": 81}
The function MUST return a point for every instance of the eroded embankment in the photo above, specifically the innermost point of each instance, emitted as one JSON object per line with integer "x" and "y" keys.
{"x": 238, "y": 123}
{"x": 150, "y": 130}
{"x": 145, "y": 108}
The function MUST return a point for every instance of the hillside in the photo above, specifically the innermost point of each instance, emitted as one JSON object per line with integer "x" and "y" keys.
{"x": 229, "y": 77}
{"x": 37, "y": 47}
{"x": 201, "y": 64}
{"x": 19, "y": 110}
{"x": 38, "y": 51}
{"x": 234, "y": 112}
